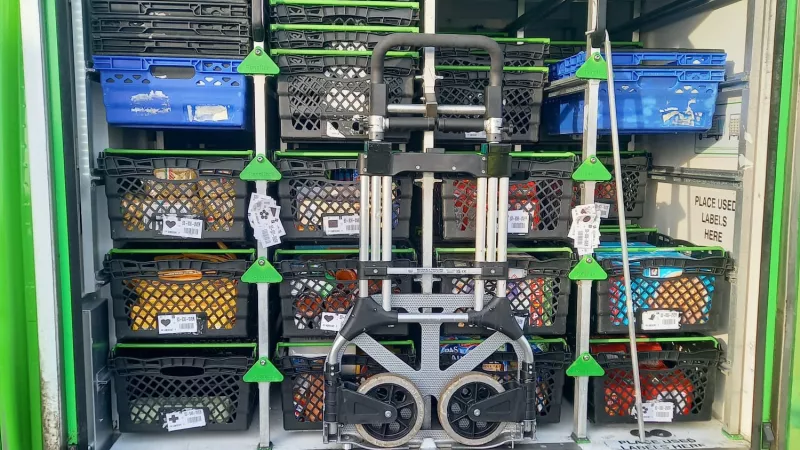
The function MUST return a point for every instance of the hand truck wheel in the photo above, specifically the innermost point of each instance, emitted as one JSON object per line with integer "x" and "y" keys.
{"x": 457, "y": 399}
{"x": 401, "y": 393}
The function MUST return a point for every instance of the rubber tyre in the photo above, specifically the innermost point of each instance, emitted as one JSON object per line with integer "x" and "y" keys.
{"x": 447, "y": 394}
{"x": 405, "y": 383}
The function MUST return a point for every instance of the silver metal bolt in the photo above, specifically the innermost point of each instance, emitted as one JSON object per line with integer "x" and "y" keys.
{"x": 417, "y": 167}
{"x": 261, "y": 262}
{"x": 260, "y": 158}
{"x": 597, "y": 56}
{"x": 263, "y": 362}
{"x": 387, "y": 414}
{"x": 374, "y": 270}
{"x": 476, "y": 412}
{"x": 483, "y": 158}
{"x": 492, "y": 271}
{"x": 593, "y": 159}
{"x": 586, "y": 357}
{"x": 483, "y": 171}
{"x": 258, "y": 51}
{"x": 454, "y": 167}
{"x": 589, "y": 260}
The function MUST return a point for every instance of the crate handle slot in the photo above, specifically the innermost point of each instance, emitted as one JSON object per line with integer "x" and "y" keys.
{"x": 182, "y": 371}
{"x": 180, "y": 275}
{"x": 173, "y": 72}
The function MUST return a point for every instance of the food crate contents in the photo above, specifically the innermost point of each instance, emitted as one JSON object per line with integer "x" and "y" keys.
{"x": 172, "y": 92}
{"x": 166, "y": 388}
{"x": 538, "y": 287}
{"x": 676, "y": 378}
{"x": 523, "y": 93}
{"x": 517, "y": 52}
{"x": 220, "y": 29}
{"x": 320, "y": 287}
{"x": 320, "y": 195}
{"x": 550, "y": 355}
{"x": 540, "y": 195}
{"x": 657, "y": 91}
{"x": 172, "y": 198}
{"x": 676, "y": 287}
{"x": 303, "y": 387}
{"x": 400, "y": 14}
{"x": 326, "y": 96}
{"x": 179, "y": 295}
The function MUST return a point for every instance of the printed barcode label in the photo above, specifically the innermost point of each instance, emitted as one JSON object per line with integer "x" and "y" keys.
{"x": 658, "y": 411}
{"x": 336, "y": 225}
{"x": 173, "y": 225}
{"x": 661, "y": 320}
{"x": 183, "y": 419}
{"x": 333, "y": 321}
{"x": 518, "y": 222}
{"x": 177, "y": 323}
{"x": 603, "y": 209}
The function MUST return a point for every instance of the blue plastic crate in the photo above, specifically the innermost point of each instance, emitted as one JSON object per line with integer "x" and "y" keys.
{"x": 667, "y": 57}
{"x": 648, "y": 101}
{"x": 172, "y": 92}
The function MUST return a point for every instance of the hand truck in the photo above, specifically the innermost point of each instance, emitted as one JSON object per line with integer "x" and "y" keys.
{"x": 393, "y": 410}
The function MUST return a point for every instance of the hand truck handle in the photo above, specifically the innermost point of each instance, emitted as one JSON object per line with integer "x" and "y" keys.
{"x": 438, "y": 40}
{"x": 257, "y": 20}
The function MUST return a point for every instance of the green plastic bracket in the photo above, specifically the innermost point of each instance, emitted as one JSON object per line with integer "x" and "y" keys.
{"x": 585, "y": 366}
{"x": 261, "y": 272}
{"x": 595, "y": 68}
{"x": 587, "y": 269}
{"x": 260, "y": 169}
{"x": 581, "y": 441}
{"x": 263, "y": 371}
{"x": 591, "y": 169}
{"x": 258, "y": 63}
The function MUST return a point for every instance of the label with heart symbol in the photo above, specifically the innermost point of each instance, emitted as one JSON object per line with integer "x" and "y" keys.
{"x": 183, "y": 227}
{"x": 177, "y": 324}
{"x": 333, "y": 321}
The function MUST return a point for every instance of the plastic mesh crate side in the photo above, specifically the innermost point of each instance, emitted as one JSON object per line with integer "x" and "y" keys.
{"x": 149, "y": 26}
{"x": 311, "y": 289}
{"x": 309, "y": 192}
{"x": 634, "y": 185}
{"x": 344, "y": 15}
{"x": 163, "y": 46}
{"x": 542, "y": 188}
{"x": 329, "y": 40}
{"x": 648, "y": 101}
{"x": 140, "y": 297}
{"x": 343, "y": 67}
{"x": 161, "y": 8}
{"x": 542, "y": 294}
{"x": 645, "y": 58}
{"x": 516, "y": 55}
{"x": 213, "y": 384}
{"x": 149, "y": 92}
{"x": 139, "y": 195}
{"x": 684, "y": 378}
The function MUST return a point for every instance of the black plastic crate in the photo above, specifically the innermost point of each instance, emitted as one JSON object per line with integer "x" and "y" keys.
{"x": 170, "y": 295}
{"x": 634, "y": 185}
{"x": 538, "y": 288}
{"x": 404, "y": 14}
{"x": 564, "y": 49}
{"x": 677, "y": 376}
{"x": 351, "y": 39}
{"x": 163, "y": 45}
{"x": 317, "y": 187}
{"x": 171, "y": 8}
{"x": 201, "y": 381}
{"x": 551, "y": 357}
{"x": 326, "y": 98}
{"x": 523, "y": 93}
{"x": 676, "y": 294}
{"x": 143, "y": 186}
{"x": 518, "y": 52}
{"x": 318, "y": 281}
{"x": 541, "y": 185}
{"x": 303, "y": 386}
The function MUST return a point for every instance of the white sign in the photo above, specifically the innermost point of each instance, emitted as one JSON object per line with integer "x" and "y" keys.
{"x": 713, "y": 214}
{"x": 332, "y": 321}
{"x": 518, "y": 222}
{"x": 653, "y": 443}
{"x": 661, "y": 320}
{"x": 185, "y": 419}
{"x": 657, "y": 411}
{"x": 337, "y": 225}
{"x": 177, "y": 323}
{"x": 173, "y": 225}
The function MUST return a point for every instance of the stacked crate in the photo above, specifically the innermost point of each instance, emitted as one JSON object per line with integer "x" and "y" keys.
{"x": 183, "y": 317}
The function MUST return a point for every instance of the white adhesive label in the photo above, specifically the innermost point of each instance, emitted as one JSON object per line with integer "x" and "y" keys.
{"x": 177, "y": 323}
{"x": 603, "y": 209}
{"x": 183, "y": 227}
{"x": 332, "y": 131}
{"x": 475, "y": 135}
{"x": 518, "y": 222}
{"x": 185, "y": 419}
{"x": 333, "y": 321}
{"x": 517, "y": 274}
{"x": 337, "y": 225}
{"x": 661, "y": 320}
{"x": 658, "y": 411}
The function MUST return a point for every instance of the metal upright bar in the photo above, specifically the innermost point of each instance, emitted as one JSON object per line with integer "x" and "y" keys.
{"x": 375, "y": 213}
{"x": 363, "y": 237}
{"x": 480, "y": 239}
{"x": 502, "y": 230}
{"x": 386, "y": 235}
{"x": 428, "y": 179}
{"x": 491, "y": 221}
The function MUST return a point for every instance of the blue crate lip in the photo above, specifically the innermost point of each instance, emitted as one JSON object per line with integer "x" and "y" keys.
{"x": 669, "y": 57}
{"x": 135, "y": 94}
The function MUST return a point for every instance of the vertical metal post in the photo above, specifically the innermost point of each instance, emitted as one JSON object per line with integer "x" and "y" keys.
{"x": 502, "y": 230}
{"x": 386, "y": 235}
{"x": 583, "y": 312}
{"x": 428, "y": 180}
{"x": 260, "y": 103}
{"x": 480, "y": 238}
{"x": 363, "y": 238}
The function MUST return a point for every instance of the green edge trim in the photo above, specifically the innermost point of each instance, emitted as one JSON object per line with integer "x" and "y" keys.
{"x": 624, "y": 153}
{"x": 660, "y": 249}
{"x": 543, "y": 155}
{"x": 157, "y": 251}
{"x": 487, "y": 68}
{"x": 336, "y": 251}
{"x": 190, "y": 345}
{"x": 391, "y": 54}
{"x": 613, "y": 43}
{"x": 656, "y": 339}
{"x": 374, "y": 29}
{"x": 123, "y": 151}
{"x": 376, "y": 3}
{"x": 316, "y": 154}
{"x": 532, "y": 340}
{"x": 523, "y": 40}
{"x": 462, "y": 250}
{"x": 329, "y": 343}
{"x": 630, "y": 229}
